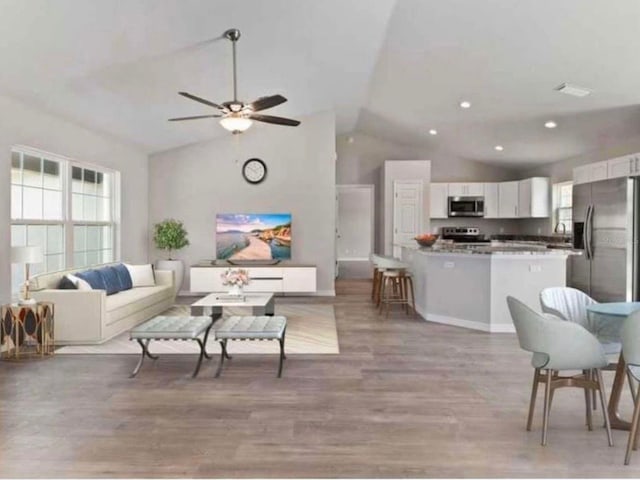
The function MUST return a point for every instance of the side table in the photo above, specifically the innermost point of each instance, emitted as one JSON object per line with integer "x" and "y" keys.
{"x": 26, "y": 330}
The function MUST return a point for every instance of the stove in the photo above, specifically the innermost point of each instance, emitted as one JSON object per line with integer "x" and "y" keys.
{"x": 464, "y": 235}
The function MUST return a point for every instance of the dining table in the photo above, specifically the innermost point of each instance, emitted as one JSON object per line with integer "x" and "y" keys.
{"x": 605, "y": 321}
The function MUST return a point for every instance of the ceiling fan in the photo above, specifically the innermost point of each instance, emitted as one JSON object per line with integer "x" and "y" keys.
{"x": 235, "y": 115}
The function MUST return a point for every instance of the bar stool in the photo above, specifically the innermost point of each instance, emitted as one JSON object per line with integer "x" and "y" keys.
{"x": 396, "y": 285}
{"x": 377, "y": 275}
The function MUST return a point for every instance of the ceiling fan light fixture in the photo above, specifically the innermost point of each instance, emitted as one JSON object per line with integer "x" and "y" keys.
{"x": 236, "y": 123}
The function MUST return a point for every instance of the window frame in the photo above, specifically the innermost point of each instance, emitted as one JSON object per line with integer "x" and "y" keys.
{"x": 556, "y": 207}
{"x": 67, "y": 222}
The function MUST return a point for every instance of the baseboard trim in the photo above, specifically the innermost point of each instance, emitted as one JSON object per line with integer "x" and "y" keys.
{"x": 470, "y": 324}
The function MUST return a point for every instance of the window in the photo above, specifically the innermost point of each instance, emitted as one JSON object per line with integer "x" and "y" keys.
{"x": 63, "y": 206}
{"x": 562, "y": 207}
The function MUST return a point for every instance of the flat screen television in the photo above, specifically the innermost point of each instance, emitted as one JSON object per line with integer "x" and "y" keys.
{"x": 250, "y": 237}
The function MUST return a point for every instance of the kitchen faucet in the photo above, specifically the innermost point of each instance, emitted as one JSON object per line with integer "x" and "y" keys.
{"x": 564, "y": 228}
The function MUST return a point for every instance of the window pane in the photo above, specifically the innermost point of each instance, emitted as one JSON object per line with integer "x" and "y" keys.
{"x": 106, "y": 238}
{"x": 76, "y": 207}
{"x": 79, "y": 260}
{"x": 36, "y": 235}
{"x": 79, "y": 238}
{"x": 107, "y": 256}
{"x": 16, "y": 202}
{"x": 52, "y": 177}
{"x": 89, "y": 208}
{"x": 104, "y": 209}
{"x": 55, "y": 239}
{"x": 32, "y": 203}
{"x": 55, "y": 262}
{"x": 94, "y": 241}
{"x": 76, "y": 179}
{"x": 103, "y": 186}
{"x": 52, "y": 205}
{"x": 16, "y": 168}
{"x": 93, "y": 257}
{"x": 18, "y": 235}
{"x": 89, "y": 182}
{"x": 32, "y": 171}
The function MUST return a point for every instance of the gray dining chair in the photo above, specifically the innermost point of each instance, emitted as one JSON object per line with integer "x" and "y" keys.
{"x": 559, "y": 345}
{"x": 631, "y": 354}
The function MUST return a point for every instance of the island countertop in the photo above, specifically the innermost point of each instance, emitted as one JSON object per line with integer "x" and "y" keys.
{"x": 489, "y": 249}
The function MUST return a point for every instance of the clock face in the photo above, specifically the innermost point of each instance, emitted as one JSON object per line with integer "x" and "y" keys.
{"x": 254, "y": 170}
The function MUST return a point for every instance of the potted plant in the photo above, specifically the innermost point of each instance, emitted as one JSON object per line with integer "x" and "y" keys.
{"x": 171, "y": 235}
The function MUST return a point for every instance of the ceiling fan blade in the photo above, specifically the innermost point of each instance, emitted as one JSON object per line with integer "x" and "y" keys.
{"x": 201, "y": 100}
{"x": 179, "y": 119}
{"x": 267, "y": 102}
{"x": 276, "y": 120}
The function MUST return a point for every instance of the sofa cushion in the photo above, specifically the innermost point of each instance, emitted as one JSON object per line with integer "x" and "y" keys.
{"x": 110, "y": 279}
{"x": 93, "y": 278}
{"x": 123, "y": 276}
{"x": 141, "y": 275}
{"x": 128, "y": 302}
{"x": 66, "y": 284}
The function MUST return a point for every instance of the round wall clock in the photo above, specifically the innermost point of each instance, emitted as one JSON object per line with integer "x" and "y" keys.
{"x": 254, "y": 170}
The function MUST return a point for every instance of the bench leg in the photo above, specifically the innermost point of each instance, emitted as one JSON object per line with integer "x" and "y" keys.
{"x": 202, "y": 354}
{"x": 145, "y": 353}
{"x": 206, "y": 337}
{"x": 282, "y": 355}
{"x": 223, "y": 354}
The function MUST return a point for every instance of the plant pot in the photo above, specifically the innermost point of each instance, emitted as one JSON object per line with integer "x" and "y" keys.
{"x": 177, "y": 266}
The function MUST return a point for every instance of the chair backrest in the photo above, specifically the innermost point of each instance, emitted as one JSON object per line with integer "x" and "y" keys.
{"x": 529, "y": 326}
{"x": 567, "y": 303}
{"x": 631, "y": 339}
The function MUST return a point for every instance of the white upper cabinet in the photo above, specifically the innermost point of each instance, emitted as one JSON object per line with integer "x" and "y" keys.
{"x": 439, "y": 207}
{"x": 533, "y": 198}
{"x": 491, "y": 200}
{"x": 466, "y": 189}
{"x": 592, "y": 172}
{"x": 508, "y": 199}
{"x": 627, "y": 166}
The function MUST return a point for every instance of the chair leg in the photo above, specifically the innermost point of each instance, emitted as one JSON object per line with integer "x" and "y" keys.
{"x": 373, "y": 284}
{"x": 547, "y": 405}
{"x": 587, "y": 400}
{"x": 532, "y": 402}
{"x": 603, "y": 404}
{"x": 382, "y": 294}
{"x": 633, "y": 432}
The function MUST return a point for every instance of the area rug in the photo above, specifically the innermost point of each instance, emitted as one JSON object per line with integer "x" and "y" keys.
{"x": 311, "y": 329}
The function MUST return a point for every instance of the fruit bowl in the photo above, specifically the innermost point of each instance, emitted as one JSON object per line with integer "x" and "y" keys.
{"x": 426, "y": 239}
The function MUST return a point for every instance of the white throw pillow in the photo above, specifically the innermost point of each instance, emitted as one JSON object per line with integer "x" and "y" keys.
{"x": 79, "y": 282}
{"x": 141, "y": 275}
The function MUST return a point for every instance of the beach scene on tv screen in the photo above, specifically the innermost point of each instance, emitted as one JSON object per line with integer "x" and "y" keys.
{"x": 253, "y": 237}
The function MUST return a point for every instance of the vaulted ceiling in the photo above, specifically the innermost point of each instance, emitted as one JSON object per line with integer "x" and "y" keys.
{"x": 394, "y": 69}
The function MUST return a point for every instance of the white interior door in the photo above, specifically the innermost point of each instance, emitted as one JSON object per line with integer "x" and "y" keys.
{"x": 407, "y": 212}
{"x": 355, "y": 222}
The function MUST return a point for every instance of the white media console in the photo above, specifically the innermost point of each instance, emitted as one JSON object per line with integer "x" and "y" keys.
{"x": 268, "y": 278}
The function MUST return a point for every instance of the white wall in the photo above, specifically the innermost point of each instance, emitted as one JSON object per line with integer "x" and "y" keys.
{"x": 24, "y": 125}
{"x": 196, "y": 182}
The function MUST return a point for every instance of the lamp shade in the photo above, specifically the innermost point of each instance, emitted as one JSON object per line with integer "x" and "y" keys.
{"x": 27, "y": 255}
{"x": 236, "y": 122}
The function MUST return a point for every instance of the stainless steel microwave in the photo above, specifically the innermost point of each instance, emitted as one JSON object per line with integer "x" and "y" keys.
{"x": 466, "y": 206}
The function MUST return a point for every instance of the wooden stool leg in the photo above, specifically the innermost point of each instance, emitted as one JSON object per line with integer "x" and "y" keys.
{"x": 413, "y": 296}
{"x": 373, "y": 285}
{"x": 382, "y": 294}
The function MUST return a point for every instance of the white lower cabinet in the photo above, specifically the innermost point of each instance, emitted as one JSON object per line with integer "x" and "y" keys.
{"x": 262, "y": 279}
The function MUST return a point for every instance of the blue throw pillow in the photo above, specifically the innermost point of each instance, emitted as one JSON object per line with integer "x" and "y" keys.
{"x": 93, "y": 278}
{"x": 110, "y": 279}
{"x": 125, "y": 277}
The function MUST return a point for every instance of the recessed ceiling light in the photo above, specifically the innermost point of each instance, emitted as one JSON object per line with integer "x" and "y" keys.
{"x": 433, "y": 131}
{"x": 550, "y": 124}
{"x": 465, "y": 104}
{"x": 573, "y": 90}
{"x": 499, "y": 148}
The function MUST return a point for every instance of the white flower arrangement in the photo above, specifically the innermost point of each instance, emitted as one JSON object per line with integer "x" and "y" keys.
{"x": 235, "y": 277}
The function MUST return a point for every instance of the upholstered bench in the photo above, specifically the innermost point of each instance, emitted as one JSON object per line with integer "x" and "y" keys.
{"x": 250, "y": 328}
{"x": 172, "y": 328}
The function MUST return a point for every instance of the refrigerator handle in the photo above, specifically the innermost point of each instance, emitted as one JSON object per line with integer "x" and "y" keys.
{"x": 589, "y": 232}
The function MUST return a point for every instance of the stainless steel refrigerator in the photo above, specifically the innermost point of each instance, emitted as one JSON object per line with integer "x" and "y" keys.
{"x": 605, "y": 226}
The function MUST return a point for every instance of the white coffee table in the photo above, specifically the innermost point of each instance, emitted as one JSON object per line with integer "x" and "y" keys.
{"x": 212, "y": 304}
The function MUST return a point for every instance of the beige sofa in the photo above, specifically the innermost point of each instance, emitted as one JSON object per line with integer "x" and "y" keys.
{"x": 90, "y": 316}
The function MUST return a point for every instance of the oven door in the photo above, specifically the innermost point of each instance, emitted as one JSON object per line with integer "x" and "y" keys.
{"x": 466, "y": 206}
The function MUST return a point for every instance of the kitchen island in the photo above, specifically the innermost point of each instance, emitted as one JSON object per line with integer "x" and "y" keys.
{"x": 468, "y": 286}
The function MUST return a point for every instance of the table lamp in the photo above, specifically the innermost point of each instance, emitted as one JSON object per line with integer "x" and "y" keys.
{"x": 27, "y": 256}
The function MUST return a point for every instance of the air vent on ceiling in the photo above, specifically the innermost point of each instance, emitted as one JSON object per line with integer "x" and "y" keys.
{"x": 573, "y": 90}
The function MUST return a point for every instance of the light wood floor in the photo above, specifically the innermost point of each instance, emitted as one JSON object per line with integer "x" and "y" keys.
{"x": 405, "y": 398}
